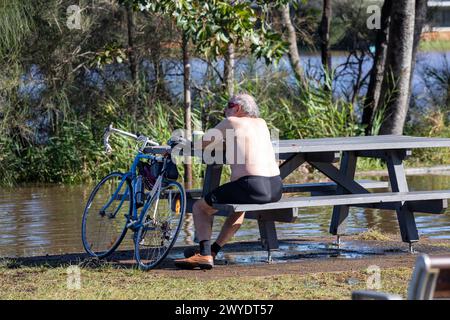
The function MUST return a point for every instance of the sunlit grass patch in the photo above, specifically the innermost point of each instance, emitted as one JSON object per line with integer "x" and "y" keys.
{"x": 442, "y": 244}
{"x": 434, "y": 45}
{"x": 110, "y": 283}
{"x": 374, "y": 234}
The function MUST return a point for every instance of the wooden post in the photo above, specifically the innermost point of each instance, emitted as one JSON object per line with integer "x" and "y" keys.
{"x": 187, "y": 108}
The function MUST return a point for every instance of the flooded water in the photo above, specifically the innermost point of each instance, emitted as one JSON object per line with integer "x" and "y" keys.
{"x": 428, "y": 87}
{"x": 427, "y": 90}
{"x": 39, "y": 220}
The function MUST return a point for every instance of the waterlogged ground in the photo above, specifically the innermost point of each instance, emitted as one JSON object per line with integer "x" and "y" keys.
{"x": 40, "y": 220}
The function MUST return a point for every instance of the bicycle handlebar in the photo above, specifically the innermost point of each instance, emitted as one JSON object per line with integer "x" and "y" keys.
{"x": 140, "y": 138}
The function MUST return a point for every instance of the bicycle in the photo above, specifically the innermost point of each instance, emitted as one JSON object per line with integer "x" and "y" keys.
{"x": 113, "y": 206}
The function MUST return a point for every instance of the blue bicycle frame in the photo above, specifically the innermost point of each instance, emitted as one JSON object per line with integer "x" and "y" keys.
{"x": 136, "y": 221}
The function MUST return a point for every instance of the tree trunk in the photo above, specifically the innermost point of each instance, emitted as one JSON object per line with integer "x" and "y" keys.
{"x": 131, "y": 26}
{"x": 420, "y": 20}
{"x": 187, "y": 107}
{"x": 228, "y": 70}
{"x": 396, "y": 82}
{"x": 377, "y": 72}
{"x": 294, "y": 56}
{"x": 324, "y": 33}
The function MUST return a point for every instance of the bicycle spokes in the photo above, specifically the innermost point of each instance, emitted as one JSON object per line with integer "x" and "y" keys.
{"x": 161, "y": 225}
{"x": 104, "y": 218}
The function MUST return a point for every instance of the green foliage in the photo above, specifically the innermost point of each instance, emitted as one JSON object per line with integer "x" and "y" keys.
{"x": 434, "y": 122}
{"x": 68, "y": 157}
{"x": 74, "y": 153}
{"x": 296, "y": 115}
{"x": 334, "y": 118}
{"x": 111, "y": 53}
{"x": 349, "y": 25}
{"x": 212, "y": 25}
{"x": 299, "y": 115}
{"x": 8, "y": 160}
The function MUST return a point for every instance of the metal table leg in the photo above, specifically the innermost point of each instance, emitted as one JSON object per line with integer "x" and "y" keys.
{"x": 210, "y": 181}
{"x": 340, "y": 213}
{"x": 397, "y": 177}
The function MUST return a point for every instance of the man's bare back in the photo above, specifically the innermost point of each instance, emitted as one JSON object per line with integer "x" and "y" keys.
{"x": 251, "y": 153}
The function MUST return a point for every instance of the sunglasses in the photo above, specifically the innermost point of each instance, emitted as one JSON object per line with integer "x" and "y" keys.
{"x": 232, "y": 105}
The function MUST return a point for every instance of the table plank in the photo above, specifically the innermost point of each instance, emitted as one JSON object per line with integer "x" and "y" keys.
{"x": 386, "y": 142}
{"x": 361, "y": 143}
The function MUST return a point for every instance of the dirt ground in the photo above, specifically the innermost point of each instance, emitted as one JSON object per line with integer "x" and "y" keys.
{"x": 430, "y": 36}
{"x": 304, "y": 256}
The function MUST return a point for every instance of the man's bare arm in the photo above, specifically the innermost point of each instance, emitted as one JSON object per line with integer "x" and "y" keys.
{"x": 216, "y": 134}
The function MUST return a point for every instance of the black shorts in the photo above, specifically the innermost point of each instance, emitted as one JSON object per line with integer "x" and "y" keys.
{"x": 247, "y": 189}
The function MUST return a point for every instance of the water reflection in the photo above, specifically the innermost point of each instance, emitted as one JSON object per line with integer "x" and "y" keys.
{"x": 39, "y": 220}
{"x": 187, "y": 230}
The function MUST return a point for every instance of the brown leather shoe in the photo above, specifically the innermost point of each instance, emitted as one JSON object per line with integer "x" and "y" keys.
{"x": 196, "y": 261}
{"x": 190, "y": 251}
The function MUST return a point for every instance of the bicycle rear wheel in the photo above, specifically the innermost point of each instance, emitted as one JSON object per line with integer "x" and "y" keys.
{"x": 105, "y": 217}
{"x": 160, "y": 226}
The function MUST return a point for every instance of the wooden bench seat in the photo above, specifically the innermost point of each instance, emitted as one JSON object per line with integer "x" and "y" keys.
{"x": 417, "y": 197}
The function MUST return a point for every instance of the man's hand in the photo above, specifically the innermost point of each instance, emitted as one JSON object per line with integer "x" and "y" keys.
{"x": 175, "y": 141}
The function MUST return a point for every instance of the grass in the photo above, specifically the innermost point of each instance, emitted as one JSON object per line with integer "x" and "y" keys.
{"x": 109, "y": 283}
{"x": 373, "y": 234}
{"x": 442, "y": 244}
{"x": 434, "y": 45}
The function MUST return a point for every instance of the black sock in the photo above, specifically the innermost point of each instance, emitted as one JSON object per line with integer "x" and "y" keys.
{"x": 215, "y": 248}
{"x": 205, "y": 247}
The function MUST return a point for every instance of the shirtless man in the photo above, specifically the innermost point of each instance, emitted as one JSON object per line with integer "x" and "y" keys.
{"x": 255, "y": 178}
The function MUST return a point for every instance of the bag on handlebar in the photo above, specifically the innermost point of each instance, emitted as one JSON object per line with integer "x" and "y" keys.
{"x": 151, "y": 171}
{"x": 171, "y": 170}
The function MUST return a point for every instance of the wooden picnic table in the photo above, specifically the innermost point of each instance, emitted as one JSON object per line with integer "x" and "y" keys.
{"x": 344, "y": 191}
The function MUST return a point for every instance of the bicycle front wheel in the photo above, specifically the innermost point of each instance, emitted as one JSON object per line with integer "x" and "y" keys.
{"x": 105, "y": 217}
{"x": 160, "y": 226}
